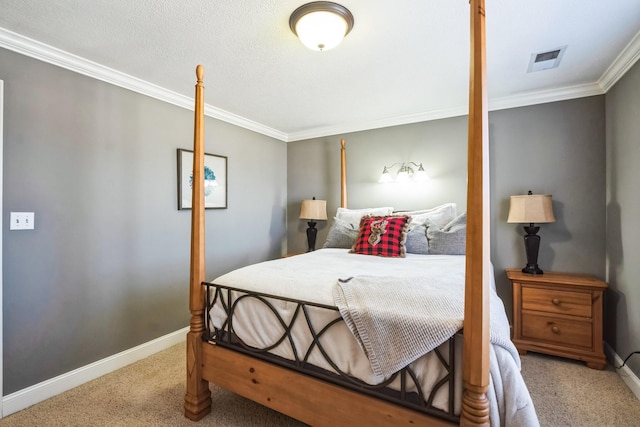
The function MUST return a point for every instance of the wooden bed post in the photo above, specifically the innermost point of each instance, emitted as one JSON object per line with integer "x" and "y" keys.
{"x": 475, "y": 362}
{"x": 197, "y": 400}
{"x": 343, "y": 175}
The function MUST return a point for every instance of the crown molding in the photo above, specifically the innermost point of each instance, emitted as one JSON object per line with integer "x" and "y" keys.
{"x": 627, "y": 58}
{"x": 49, "y": 54}
{"x": 32, "y": 48}
{"x": 502, "y": 103}
{"x": 545, "y": 96}
{"x": 377, "y": 124}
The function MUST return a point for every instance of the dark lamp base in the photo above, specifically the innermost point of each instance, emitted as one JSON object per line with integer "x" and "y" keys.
{"x": 532, "y": 269}
{"x": 532, "y": 245}
{"x": 312, "y": 232}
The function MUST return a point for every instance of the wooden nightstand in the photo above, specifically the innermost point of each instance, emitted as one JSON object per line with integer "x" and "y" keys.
{"x": 558, "y": 314}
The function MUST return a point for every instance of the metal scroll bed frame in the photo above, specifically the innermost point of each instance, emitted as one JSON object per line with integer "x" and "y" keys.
{"x": 225, "y": 301}
{"x": 314, "y": 400}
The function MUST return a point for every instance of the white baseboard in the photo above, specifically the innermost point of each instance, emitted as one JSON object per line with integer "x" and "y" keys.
{"x": 24, "y": 398}
{"x": 626, "y": 374}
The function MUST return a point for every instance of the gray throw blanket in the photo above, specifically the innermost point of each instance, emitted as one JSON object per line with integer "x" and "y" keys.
{"x": 399, "y": 319}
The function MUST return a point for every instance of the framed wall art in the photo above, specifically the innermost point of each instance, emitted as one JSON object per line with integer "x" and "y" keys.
{"x": 215, "y": 180}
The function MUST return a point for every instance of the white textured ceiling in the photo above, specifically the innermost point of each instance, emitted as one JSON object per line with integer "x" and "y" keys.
{"x": 404, "y": 60}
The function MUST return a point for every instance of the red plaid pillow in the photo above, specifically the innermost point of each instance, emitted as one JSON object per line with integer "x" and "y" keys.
{"x": 382, "y": 236}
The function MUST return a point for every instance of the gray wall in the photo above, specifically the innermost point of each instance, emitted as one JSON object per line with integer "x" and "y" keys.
{"x": 555, "y": 148}
{"x": 622, "y": 329}
{"x": 107, "y": 266}
{"x": 314, "y": 170}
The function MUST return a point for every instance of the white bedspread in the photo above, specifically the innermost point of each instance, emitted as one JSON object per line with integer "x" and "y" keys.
{"x": 313, "y": 276}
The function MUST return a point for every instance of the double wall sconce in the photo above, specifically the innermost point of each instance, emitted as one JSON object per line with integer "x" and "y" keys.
{"x": 405, "y": 173}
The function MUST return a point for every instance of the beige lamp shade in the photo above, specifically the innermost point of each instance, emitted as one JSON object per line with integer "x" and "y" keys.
{"x": 313, "y": 209}
{"x": 531, "y": 208}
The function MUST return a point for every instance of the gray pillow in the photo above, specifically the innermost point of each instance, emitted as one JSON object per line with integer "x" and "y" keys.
{"x": 342, "y": 235}
{"x": 450, "y": 240}
{"x": 416, "y": 242}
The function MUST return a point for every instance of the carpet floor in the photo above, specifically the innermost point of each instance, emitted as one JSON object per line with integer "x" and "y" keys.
{"x": 151, "y": 392}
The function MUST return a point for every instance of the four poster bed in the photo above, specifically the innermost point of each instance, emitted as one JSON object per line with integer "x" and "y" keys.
{"x": 271, "y": 334}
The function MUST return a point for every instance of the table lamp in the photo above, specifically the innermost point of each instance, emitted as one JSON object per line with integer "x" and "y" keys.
{"x": 313, "y": 210}
{"x": 529, "y": 209}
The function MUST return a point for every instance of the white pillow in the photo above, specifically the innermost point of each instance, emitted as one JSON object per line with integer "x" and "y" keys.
{"x": 440, "y": 215}
{"x": 353, "y": 216}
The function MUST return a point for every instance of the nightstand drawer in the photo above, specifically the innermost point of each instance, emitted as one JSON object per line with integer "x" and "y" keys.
{"x": 556, "y": 301}
{"x": 556, "y": 330}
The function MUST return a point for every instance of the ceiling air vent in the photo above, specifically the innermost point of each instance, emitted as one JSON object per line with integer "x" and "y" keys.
{"x": 546, "y": 60}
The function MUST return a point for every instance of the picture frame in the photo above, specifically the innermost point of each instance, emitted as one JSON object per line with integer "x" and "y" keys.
{"x": 215, "y": 188}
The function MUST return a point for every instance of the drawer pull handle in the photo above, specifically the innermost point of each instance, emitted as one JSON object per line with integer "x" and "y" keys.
{"x": 555, "y": 301}
{"x": 555, "y": 330}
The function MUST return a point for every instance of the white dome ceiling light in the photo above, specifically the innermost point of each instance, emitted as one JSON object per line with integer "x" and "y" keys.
{"x": 321, "y": 25}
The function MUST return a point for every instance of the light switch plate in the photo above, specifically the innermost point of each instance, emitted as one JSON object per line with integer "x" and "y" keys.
{"x": 22, "y": 221}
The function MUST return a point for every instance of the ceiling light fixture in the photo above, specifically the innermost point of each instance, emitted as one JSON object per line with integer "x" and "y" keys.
{"x": 321, "y": 25}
